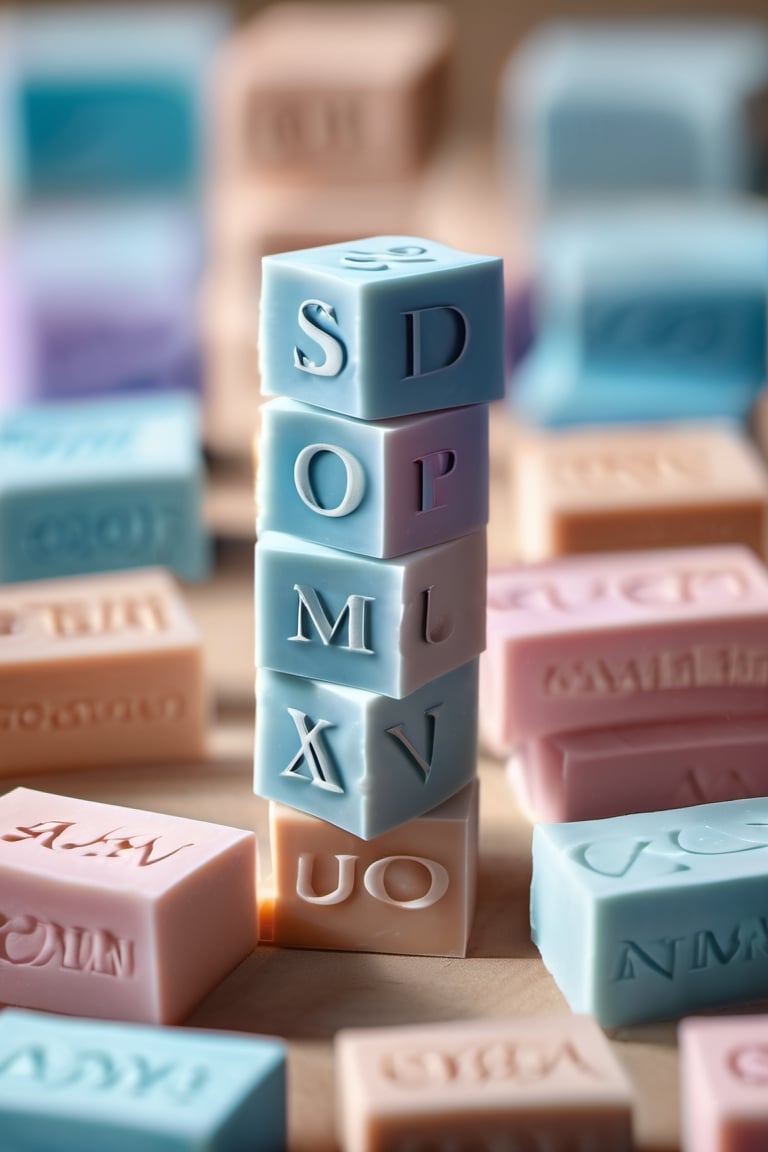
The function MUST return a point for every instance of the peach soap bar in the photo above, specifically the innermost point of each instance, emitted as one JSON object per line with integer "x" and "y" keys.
{"x": 724, "y": 1076}
{"x": 601, "y": 641}
{"x": 98, "y": 670}
{"x": 642, "y": 768}
{"x": 117, "y": 913}
{"x": 618, "y": 489}
{"x": 410, "y": 891}
{"x": 543, "y": 1083}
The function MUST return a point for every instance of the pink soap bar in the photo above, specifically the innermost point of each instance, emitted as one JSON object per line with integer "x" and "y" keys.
{"x": 117, "y": 913}
{"x": 601, "y": 641}
{"x": 724, "y": 1084}
{"x": 546, "y": 1083}
{"x": 641, "y": 768}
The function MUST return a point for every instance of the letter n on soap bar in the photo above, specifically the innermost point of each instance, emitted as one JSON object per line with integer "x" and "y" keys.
{"x": 410, "y": 891}
{"x": 117, "y": 913}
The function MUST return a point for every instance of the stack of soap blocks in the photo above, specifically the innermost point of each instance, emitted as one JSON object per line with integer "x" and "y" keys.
{"x": 103, "y": 128}
{"x": 370, "y": 587}
{"x": 318, "y": 137}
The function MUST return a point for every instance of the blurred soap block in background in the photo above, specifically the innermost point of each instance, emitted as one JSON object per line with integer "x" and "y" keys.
{"x": 97, "y": 301}
{"x": 333, "y": 92}
{"x": 648, "y": 314}
{"x": 110, "y": 101}
{"x": 99, "y": 486}
{"x": 635, "y": 107}
{"x": 615, "y": 489}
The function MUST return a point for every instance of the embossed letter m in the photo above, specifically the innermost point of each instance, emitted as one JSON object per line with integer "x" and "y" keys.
{"x": 312, "y": 609}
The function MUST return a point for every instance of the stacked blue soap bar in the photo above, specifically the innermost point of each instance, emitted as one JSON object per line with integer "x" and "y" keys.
{"x": 373, "y": 500}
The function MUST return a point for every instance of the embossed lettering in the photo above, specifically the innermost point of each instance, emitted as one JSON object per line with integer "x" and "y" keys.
{"x": 746, "y": 942}
{"x": 26, "y": 941}
{"x": 397, "y": 732}
{"x": 434, "y": 469}
{"x": 314, "y": 320}
{"x": 374, "y": 881}
{"x": 520, "y": 1062}
{"x": 135, "y": 847}
{"x": 706, "y": 786}
{"x": 415, "y": 341}
{"x": 86, "y": 713}
{"x": 305, "y": 888}
{"x": 362, "y": 261}
{"x": 660, "y": 671}
{"x": 749, "y": 1063}
{"x": 634, "y": 468}
{"x": 314, "y": 754}
{"x": 99, "y": 1071}
{"x": 105, "y": 616}
{"x": 354, "y": 610}
{"x": 435, "y": 631}
{"x": 354, "y": 489}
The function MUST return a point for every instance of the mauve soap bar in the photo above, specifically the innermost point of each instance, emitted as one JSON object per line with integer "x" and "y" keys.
{"x": 92, "y": 1086}
{"x": 606, "y": 491}
{"x": 540, "y": 1083}
{"x": 641, "y": 768}
{"x": 96, "y": 671}
{"x": 600, "y": 641}
{"x": 409, "y": 892}
{"x": 654, "y": 915}
{"x": 723, "y": 1081}
{"x": 117, "y": 913}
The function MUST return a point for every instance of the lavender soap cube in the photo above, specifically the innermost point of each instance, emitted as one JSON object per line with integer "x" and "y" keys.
{"x": 386, "y": 626}
{"x": 359, "y": 760}
{"x": 382, "y": 327}
{"x": 378, "y": 489}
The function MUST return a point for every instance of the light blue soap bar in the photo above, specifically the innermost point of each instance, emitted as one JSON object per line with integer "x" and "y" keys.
{"x": 101, "y": 486}
{"x": 382, "y": 327}
{"x": 379, "y": 489}
{"x": 69, "y": 1085}
{"x": 654, "y": 915}
{"x": 385, "y": 626}
{"x": 631, "y": 107}
{"x": 359, "y": 760}
{"x": 105, "y": 104}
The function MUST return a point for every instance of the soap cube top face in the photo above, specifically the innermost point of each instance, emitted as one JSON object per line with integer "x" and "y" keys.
{"x": 324, "y": 95}
{"x": 108, "y": 104}
{"x": 625, "y": 638}
{"x": 724, "y": 1074}
{"x": 360, "y": 760}
{"x": 105, "y": 1084}
{"x": 524, "y": 1077}
{"x": 409, "y": 891}
{"x": 382, "y": 327}
{"x": 631, "y": 107}
{"x": 378, "y": 489}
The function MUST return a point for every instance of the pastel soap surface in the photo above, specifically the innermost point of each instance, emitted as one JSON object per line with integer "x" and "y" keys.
{"x": 545, "y": 1082}
{"x": 387, "y": 626}
{"x": 382, "y": 327}
{"x": 359, "y": 760}
{"x": 623, "y": 638}
{"x": 71, "y": 1085}
{"x": 410, "y": 891}
{"x": 97, "y": 671}
{"x": 603, "y": 491}
{"x": 378, "y": 489}
{"x": 103, "y": 910}
{"x": 654, "y": 915}
{"x": 638, "y": 768}
{"x": 93, "y": 487}
{"x": 724, "y": 1073}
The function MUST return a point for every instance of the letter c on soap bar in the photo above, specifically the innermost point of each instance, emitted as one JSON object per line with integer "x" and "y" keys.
{"x": 355, "y": 484}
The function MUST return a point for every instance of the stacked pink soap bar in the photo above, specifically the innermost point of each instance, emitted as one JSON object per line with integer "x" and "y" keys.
{"x": 724, "y": 1076}
{"x": 117, "y": 913}
{"x": 590, "y": 659}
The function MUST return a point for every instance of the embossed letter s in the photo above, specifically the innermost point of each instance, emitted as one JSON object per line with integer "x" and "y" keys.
{"x": 310, "y": 312}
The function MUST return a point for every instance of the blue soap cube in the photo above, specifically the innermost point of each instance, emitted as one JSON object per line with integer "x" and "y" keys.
{"x": 106, "y": 102}
{"x": 616, "y": 108}
{"x": 93, "y": 487}
{"x": 70, "y": 1084}
{"x": 360, "y": 760}
{"x": 648, "y": 315}
{"x": 379, "y": 489}
{"x": 100, "y": 301}
{"x": 654, "y": 915}
{"x": 386, "y": 626}
{"x": 382, "y": 327}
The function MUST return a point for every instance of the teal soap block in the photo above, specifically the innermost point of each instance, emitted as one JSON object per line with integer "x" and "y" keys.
{"x": 386, "y": 626}
{"x": 379, "y": 489}
{"x": 102, "y": 485}
{"x": 659, "y": 314}
{"x": 359, "y": 760}
{"x": 108, "y": 104}
{"x": 654, "y": 915}
{"x": 382, "y": 327}
{"x": 69, "y": 1085}
{"x": 621, "y": 108}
